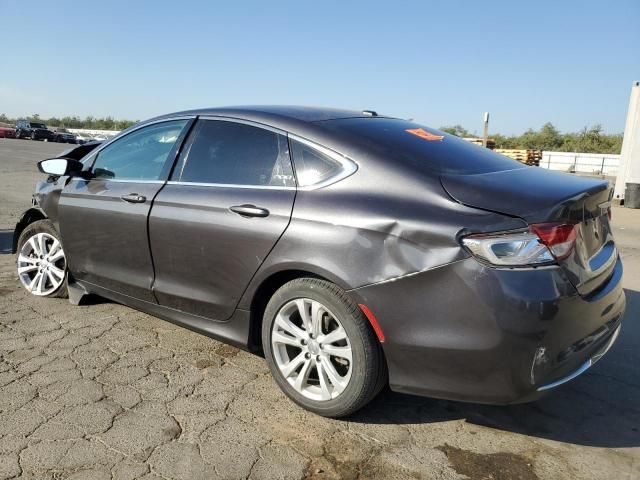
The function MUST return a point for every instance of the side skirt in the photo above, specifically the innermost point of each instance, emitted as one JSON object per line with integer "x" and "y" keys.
{"x": 234, "y": 331}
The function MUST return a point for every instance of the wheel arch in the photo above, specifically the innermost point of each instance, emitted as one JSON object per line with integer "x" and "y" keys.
{"x": 32, "y": 215}
{"x": 261, "y": 290}
{"x": 262, "y": 293}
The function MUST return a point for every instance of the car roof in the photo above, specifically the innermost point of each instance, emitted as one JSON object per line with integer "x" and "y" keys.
{"x": 307, "y": 122}
{"x": 280, "y": 112}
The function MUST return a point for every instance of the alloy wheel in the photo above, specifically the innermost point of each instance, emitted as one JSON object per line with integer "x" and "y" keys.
{"x": 311, "y": 349}
{"x": 42, "y": 264}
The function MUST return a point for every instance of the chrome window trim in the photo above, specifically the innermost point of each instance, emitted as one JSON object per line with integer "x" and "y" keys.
{"x": 251, "y": 123}
{"x": 349, "y": 166}
{"x": 134, "y": 128}
{"x": 119, "y": 180}
{"x": 235, "y": 185}
{"x": 229, "y": 185}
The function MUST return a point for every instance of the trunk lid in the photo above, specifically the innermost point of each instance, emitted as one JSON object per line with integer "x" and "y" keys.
{"x": 537, "y": 196}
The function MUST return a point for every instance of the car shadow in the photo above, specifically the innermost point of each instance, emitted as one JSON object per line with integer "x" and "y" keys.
{"x": 601, "y": 408}
{"x": 6, "y": 241}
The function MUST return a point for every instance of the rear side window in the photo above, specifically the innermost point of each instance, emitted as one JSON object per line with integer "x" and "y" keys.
{"x": 231, "y": 153}
{"x": 312, "y": 166}
{"x": 420, "y": 148}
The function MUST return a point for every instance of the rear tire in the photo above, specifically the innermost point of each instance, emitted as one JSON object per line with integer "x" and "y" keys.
{"x": 41, "y": 263}
{"x": 334, "y": 378}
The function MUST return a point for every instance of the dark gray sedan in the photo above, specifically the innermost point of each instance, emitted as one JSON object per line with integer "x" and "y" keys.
{"x": 353, "y": 250}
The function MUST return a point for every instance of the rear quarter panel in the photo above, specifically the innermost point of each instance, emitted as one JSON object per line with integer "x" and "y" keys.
{"x": 373, "y": 227}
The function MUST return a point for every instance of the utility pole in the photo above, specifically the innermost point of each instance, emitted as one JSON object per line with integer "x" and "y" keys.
{"x": 485, "y": 135}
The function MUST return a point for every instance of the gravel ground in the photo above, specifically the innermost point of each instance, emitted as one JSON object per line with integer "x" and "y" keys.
{"x": 105, "y": 392}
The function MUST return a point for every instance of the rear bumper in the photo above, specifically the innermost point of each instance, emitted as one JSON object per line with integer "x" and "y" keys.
{"x": 468, "y": 332}
{"x": 585, "y": 366}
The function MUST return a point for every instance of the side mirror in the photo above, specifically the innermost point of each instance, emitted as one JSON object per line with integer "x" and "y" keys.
{"x": 60, "y": 166}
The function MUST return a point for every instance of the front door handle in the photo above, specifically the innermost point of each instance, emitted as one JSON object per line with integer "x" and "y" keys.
{"x": 134, "y": 198}
{"x": 249, "y": 211}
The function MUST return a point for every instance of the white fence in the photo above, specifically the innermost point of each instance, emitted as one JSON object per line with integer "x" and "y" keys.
{"x": 89, "y": 131}
{"x": 586, "y": 163}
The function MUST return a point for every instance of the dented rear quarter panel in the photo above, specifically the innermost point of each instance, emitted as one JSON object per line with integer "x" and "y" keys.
{"x": 374, "y": 226}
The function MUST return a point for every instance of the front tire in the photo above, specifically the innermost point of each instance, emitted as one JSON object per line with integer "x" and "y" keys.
{"x": 41, "y": 262}
{"x": 321, "y": 349}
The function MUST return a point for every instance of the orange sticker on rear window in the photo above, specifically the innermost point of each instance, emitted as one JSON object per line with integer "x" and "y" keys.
{"x": 423, "y": 134}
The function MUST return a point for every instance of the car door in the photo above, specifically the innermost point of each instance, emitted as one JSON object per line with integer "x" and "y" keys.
{"x": 103, "y": 219}
{"x": 211, "y": 227}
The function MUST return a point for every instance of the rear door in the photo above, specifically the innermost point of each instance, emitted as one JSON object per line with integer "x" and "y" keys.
{"x": 211, "y": 227}
{"x": 103, "y": 220}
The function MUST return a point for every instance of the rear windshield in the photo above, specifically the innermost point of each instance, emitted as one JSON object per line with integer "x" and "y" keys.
{"x": 37, "y": 125}
{"x": 422, "y": 148}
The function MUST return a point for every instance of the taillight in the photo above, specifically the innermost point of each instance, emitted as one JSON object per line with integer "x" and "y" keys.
{"x": 559, "y": 237}
{"x": 543, "y": 243}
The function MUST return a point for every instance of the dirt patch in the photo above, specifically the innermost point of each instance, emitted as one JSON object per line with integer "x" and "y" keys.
{"x": 5, "y": 291}
{"x": 227, "y": 351}
{"x": 492, "y": 466}
{"x": 346, "y": 457}
{"x": 324, "y": 468}
{"x": 203, "y": 363}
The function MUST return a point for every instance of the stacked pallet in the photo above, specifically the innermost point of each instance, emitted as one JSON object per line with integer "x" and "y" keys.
{"x": 491, "y": 143}
{"x": 529, "y": 157}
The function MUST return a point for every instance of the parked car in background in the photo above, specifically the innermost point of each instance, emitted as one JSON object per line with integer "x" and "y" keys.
{"x": 33, "y": 130}
{"x": 62, "y": 135}
{"x": 82, "y": 138}
{"x": 100, "y": 137}
{"x": 7, "y": 131}
{"x": 351, "y": 249}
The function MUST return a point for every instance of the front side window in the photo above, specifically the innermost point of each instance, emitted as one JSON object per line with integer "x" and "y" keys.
{"x": 140, "y": 155}
{"x": 231, "y": 153}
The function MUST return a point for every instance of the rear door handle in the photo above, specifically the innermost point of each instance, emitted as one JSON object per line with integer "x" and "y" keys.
{"x": 134, "y": 198}
{"x": 249, "y": 211}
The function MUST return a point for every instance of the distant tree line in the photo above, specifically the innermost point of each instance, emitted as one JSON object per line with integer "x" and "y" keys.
{"x": 104, "y": 123}
{"x": 587, "y": 140}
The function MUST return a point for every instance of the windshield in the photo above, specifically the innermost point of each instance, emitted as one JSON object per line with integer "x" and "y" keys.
{"x": 37, "y": 125}
{"x": 422, "y": 148}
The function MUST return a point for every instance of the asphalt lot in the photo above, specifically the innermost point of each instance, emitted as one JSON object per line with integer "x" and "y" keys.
{"x": 103, "y": 391}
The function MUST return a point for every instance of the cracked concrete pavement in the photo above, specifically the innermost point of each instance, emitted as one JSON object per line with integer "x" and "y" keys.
{"x": 105, "y": 392}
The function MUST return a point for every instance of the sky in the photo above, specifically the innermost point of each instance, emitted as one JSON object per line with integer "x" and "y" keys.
{"x": 571, "y": 63}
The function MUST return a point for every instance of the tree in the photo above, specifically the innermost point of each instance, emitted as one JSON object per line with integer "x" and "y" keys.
{"x": 503, "y": 141}
{"x": 547, "y": 138}
{"x": 457, "y": 130}
{"x": 588, "y": 140}
{"x": 593, "y": 140}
